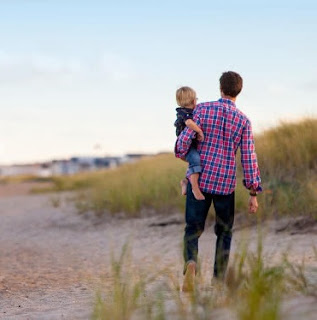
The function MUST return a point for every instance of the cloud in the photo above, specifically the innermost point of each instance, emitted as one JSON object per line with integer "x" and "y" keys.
{"x": 278, "y": 89}
{"x": 300, "y": 86}
{"x": 17, "y": 69}
{"x": 117, "y": 67}
{"x": 310, "y": 85}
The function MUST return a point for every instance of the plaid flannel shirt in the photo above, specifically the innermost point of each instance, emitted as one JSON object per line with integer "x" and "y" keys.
{"x": 226, "y": 129}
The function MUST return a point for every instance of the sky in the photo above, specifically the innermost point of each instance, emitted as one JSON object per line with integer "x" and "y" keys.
{"x": 99, "y": 77}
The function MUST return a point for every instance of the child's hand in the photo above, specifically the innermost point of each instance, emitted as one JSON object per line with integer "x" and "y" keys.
{"x": 200, "y": 136}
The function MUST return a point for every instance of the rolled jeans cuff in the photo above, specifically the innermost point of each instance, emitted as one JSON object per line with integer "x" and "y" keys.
{"x": 193, "y": 169}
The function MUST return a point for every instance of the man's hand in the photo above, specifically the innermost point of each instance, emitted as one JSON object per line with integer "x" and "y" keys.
{"x": 200, "y": 136}
{"x": 253, "y": 204}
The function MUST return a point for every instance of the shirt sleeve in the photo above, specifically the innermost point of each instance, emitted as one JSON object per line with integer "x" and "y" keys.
{"x": 186, "y": 137}
{"x": 249, "y": 161}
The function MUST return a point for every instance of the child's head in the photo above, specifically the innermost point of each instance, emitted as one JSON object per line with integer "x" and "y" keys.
{"x": 186, "y": 97}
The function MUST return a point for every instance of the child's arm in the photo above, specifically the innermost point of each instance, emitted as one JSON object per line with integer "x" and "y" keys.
{"x": 192, "y": 125}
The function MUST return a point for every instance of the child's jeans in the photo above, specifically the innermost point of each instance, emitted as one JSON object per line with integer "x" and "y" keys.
{"x": 193, "y": 159}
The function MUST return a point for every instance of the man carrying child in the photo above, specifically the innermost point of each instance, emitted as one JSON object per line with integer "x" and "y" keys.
{"x": 225, "y": 129}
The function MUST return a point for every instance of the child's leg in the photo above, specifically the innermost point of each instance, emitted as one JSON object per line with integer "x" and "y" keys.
{"x": 194, "y": 170}
{"x": 184, "y": 183}
{"x": 195, "y": 186}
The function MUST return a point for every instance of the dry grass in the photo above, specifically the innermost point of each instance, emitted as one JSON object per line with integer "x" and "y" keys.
{"x": 151, "y": 183}
{"x": 287, "y": 158}
{"x": 23, "y": 178}
{"x": 254, "y": 290}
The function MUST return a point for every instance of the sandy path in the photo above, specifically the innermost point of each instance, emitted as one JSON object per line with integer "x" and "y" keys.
{"x": 52, "y": 260}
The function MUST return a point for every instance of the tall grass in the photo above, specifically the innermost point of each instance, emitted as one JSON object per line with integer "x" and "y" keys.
{"x": 151, "y": 183}
{"x": 254, "y": 290}
{"x": 126, "y": 289}
{"x": 289, "y": 151}
{"x": 287, "y": 157}
{"x": 258, "y": 289}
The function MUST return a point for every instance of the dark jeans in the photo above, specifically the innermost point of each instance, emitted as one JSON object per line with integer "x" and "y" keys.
{"x": 196, "y": 214}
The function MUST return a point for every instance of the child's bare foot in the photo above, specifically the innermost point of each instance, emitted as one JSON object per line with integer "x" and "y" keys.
{"x": 197, "y": 194}
{"x": 184, "y": 183}
{"x": 189, "y": 279}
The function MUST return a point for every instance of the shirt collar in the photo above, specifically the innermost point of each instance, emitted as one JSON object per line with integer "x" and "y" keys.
{"x": 227, "y": 101}
{"x": 184, "y": 108}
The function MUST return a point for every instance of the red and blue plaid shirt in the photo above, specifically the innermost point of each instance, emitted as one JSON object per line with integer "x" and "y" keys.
{"x": 226, "y": 129}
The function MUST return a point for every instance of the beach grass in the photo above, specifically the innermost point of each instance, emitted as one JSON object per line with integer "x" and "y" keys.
{"x": 254, "y": 290}
{"x": 287, "y": 156}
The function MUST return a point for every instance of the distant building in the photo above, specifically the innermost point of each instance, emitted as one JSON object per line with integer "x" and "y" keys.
{"x": 79, "y": 164}
{"x": 68, "y": 166}
{"x": 22, "y": 169}
{"x": 131, "y": 157}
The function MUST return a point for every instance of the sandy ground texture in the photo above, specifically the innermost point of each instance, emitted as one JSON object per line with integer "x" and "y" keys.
{"x": 52, "y": 260}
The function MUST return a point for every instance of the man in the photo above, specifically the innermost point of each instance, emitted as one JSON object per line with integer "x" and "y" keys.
{"x": 225, "y": 129}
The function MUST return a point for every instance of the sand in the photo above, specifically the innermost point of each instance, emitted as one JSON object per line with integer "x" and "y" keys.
{"x": 52, "y": 260}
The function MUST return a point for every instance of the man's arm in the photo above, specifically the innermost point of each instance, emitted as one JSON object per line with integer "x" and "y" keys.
{"x": 251, "y": 172}
{"x": 184, "y": 140}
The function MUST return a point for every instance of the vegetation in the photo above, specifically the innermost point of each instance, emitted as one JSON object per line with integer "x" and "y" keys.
{"x": 23, "y": 178}
{"x": 151, "y": 183}
{"x": 253, "y": 291}
{"x": 254, "y": 288}
{"x": 287, "y": 158}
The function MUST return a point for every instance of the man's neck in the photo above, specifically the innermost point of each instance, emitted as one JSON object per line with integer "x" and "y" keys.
{"x": 229, "y": 97}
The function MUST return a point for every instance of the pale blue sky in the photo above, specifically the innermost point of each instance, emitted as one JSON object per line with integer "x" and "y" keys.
{"x": 74, "y": 74}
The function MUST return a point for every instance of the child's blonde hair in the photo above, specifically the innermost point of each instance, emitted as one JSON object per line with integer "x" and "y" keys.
{"x": 185, "y": 96}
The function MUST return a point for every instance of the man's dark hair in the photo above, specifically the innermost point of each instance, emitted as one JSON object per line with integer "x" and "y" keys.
{"x": 231, "y": 83}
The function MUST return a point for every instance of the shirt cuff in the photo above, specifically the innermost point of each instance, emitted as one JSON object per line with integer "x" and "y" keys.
{"x": 256, "y": 185}
{"x": 179, "y": 154}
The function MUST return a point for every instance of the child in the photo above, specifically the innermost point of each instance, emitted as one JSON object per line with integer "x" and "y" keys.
{"x": 186, "y": 99}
